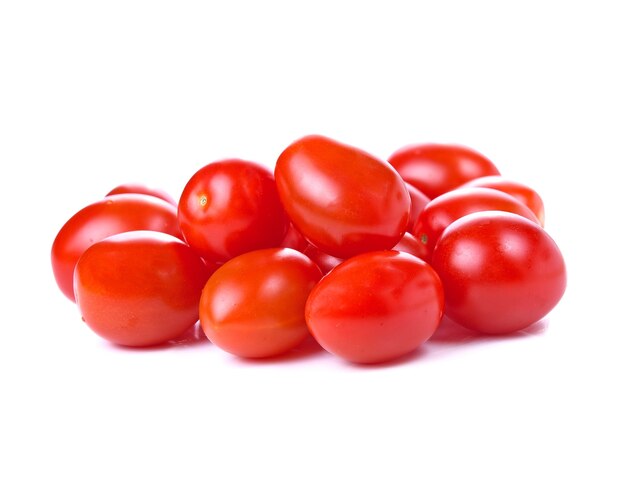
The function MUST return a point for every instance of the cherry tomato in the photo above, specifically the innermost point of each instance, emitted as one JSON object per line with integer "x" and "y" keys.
{"x": 324, "y": 261}
{"x": 342, "y": 199}
{"x": 418, "y": 203}
{"x": 139, "y": 288}
{"x": 519, "y": 191}
{"x": 410, "y": 245}
{"x": 375, "y": 307}
{"x": 230, "y": 207}
{"x": 141, "y": 189}
{"x": 500, "y": 272}
{"x": 443, "y": 210}
{"x": 437, "y": 168}
{"x": 253, "y": 306}
{"x": 111, "y": 215}
{"x": 294, "y": 240}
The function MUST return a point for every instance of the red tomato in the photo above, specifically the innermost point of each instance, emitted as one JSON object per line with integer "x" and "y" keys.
{"x": 294, "y": 240}
{"x": 342, "y": 199}
{"x": 253, "y": 306}
{"x": 437, "y": 168}
{"x": 139, "y": 288}
{"x": 141, "y": 189}
{"x": 445, "y": 209}
{"x": 519, "y": 191}
{"x": 111, "y": 215}
{"x": 230, "y": 207}
{"x": 500, "y": 272}
{"x": 418, "y": 203}
{"x": 375, "y": 307}
{"x": 411, "y": 245}
{"x": 324, "y": 261}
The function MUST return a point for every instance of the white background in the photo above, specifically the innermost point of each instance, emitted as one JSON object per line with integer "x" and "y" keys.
{"x": 93, "y": 94}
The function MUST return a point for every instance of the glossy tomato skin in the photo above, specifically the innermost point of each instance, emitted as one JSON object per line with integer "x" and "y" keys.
{"x": 253, "y": 305}
{"x": 137, "y": 188}
{"x": 445, "y": 209}
{"x": 343, "y": 200}
{"x": 111, "y": 215}
{"x": 524, "y": 194}
{"x": 410, "y": 245}
{"x": 438, "y": 168}
{"x": 294, "y": 239}
{"x": 418, "y": 203}
{"x": 139, "y": 288}
{"x": 230, "y": 207}
{"x": 326, "y": 262}
{"x": 375, "y": 307}
{"x": 500, "y": 272}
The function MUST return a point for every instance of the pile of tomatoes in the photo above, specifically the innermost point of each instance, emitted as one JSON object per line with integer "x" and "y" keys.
{"x": 365, "y": 255}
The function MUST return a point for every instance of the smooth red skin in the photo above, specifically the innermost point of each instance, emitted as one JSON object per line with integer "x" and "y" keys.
{"x": 294, "y": 239}
{"x": 410, "y": 245}
{"x": 230, "y": 207}
{"x": 111, "y": 215}
{"x": 438, "y": 168}
{"x": 326, "y": 262}
{"x": 142, "y": 189}
{"x": 139, "y": 288}
{"x": 375, "y": 307}
{"x": 519, "y": 191}
{"x": 447, "y": 208}
{"x": 500, "y": 272}
{"x": 343, "y": 200}
{"x": 418, "y": 203}
{"x": 253, "y": 306}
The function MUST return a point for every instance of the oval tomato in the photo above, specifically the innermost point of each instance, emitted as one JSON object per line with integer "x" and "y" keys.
{"x": 342, "y": 199}
{"x": 253, "y": 306}
{"x": 326, "y": 262}
{"x": 437, "y": 168}
{"x": 139, "y": 288}
{"x": 375, "y": 307}
{"x": 111, "y": 215}
{"x": 445, "y": 209}
{"x": 418, "y": 203}
{"x": 294, "y": 240}
{"x": 137, "y": 188}
{"x": 500, "y": 272}
{"x": 230, "y": 207}
{"x": 519, "y": 191}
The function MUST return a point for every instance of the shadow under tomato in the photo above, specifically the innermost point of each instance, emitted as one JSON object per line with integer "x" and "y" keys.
{"x": 413, "y": 356}
{"x": 450, "y": 332}
{"x": 307, "y": 349}
{"x": 193, "y": 337}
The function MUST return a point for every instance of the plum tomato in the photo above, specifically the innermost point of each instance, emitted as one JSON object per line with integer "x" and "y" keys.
{"x": 443, "y": 210}
{"x": 142, "y": 189}
{"x": 111, "y": 215}
{"x": 418, "y": 203}
{"x": 375, "y": 307}
{"x": 411, "y": 245}
{"x": 253, "y": 305}
{"x": 139, "y": 288}
{"x": 294, "y": 240}
{"x": 229, "y": 207}
{"x": 326, "y": 262}
{"x": 500, "y": 271}
{"x": 519, "y": 191}
{"x": 437, "y": 168}
{"x": 343, "y": 200}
